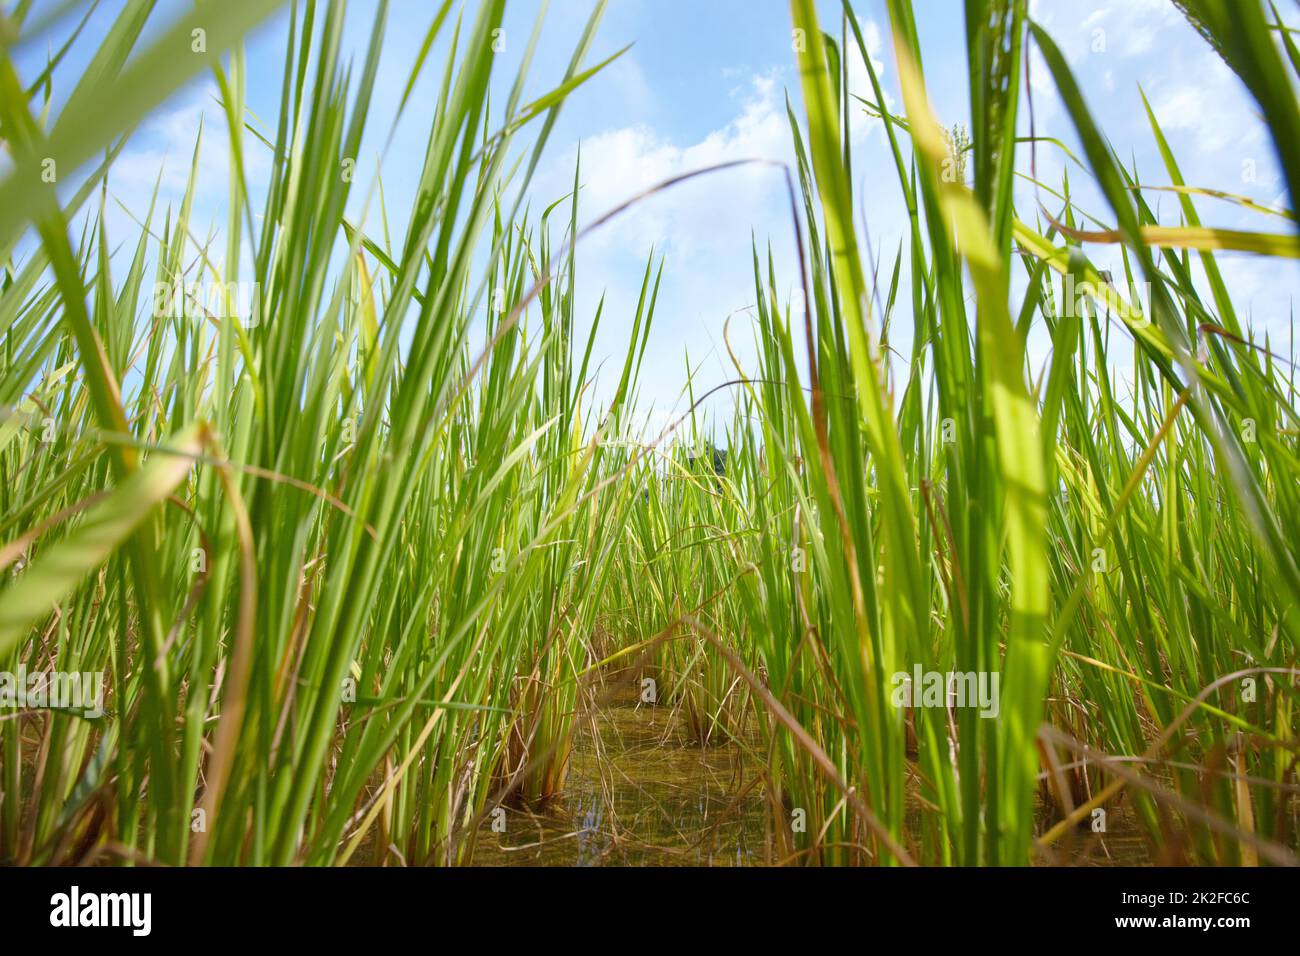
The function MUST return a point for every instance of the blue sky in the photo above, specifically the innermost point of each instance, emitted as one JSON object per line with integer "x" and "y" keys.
{"x": 705, "y": 82}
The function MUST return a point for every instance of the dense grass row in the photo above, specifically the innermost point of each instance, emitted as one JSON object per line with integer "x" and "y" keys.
{"x": 349, "y": 575}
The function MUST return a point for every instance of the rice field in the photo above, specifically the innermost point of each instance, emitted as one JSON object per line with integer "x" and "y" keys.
{"x": 320, "y": 545}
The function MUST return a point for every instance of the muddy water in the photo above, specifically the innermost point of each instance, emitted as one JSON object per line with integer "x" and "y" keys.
{"x": 639, "y": 794}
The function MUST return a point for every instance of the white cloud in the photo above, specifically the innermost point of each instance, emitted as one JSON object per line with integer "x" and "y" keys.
{"x": 620, "y": 163}
{"x": 1208, "y": 102}
{"x": 162, "y": 150}
{"x": 701, "y": 227}
{"x": 1088, "y": 32}
{"x": 860, "y": 124}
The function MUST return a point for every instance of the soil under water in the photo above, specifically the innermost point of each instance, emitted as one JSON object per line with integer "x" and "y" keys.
{"x": 638, "y": 794}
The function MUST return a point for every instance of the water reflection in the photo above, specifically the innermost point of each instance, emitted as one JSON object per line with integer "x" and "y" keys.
{"x": 638, "y": 795}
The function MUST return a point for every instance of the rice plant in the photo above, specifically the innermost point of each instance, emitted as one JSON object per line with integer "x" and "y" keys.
{"x": 356, "y": 554}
